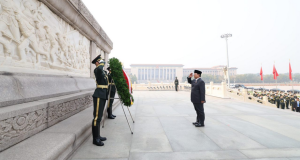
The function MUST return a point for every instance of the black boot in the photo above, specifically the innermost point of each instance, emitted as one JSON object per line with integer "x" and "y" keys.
{"x": 101, "y": 138}
{"x": 113, "y": 115}
{"x": 96, "y": 137}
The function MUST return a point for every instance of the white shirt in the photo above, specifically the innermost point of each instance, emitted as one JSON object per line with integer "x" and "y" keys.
{"x": 297, "y": 103}
{"x": 197, "y": 79}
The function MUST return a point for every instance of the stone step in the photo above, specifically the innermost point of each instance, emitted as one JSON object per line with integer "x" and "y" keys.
{"x": 57, "y": 142}
{"x": 21, "y": 121}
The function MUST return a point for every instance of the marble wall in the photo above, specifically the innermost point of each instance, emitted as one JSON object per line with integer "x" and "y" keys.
{"x": 35, "y": 40}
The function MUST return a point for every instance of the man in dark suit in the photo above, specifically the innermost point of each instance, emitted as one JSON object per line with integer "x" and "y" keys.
{"x": 198, "y": 96}
{"x": 99, "y": 99}
{"x": 296, "y": 105}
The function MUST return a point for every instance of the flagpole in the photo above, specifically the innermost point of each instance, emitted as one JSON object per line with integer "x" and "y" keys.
{"x": 263, "y": 78}
{"x": 276, "y": 77}
{"x": 292, "y": 76}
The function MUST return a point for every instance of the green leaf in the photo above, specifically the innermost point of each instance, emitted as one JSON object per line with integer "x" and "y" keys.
{"x": 120, "y": 82}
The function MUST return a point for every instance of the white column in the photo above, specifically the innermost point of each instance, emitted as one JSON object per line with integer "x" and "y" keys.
{"x": 159, "y": 73}
{"x": 147, "y": 73}
{"x": 150, "y": 73}
{"x": 154, "y": 72}
{"x": 169, "y": 73}
{"x": 163, "y": 73}
{"x": 144, "y": 73}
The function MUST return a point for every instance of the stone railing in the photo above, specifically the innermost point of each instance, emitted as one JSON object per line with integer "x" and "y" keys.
{"x": 159, "y": 87}
{"x": 243, "y": 95}
{"x": 211, "y": 89}
{"x": 216, "y": 90}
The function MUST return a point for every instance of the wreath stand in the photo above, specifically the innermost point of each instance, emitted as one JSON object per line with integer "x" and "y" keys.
{"x": 107, "y": 105}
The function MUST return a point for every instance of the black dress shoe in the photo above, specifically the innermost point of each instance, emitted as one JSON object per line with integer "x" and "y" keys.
{"x": 102, "y": 138}
{"x": 199, "y": 125}
{"x": 111, "y": 117}
{"x": 194, "y": 123}
{"x": 114, "y": 116}
{"x": 98, "y": 142}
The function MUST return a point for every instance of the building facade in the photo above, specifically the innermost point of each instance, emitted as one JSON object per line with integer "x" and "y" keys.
{"x": 215, "y": 70}
{"x": 157, "y": 73}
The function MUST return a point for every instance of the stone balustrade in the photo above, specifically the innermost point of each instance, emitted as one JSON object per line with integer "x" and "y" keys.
{"x": 216, "y": 90}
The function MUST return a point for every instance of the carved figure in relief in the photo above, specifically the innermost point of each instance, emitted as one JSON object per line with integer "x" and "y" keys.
{"x": 42, "y": 37}
{"x": 25, "y": 30}
{"x": 28, "y": 38}
{"x": 8, "y": 24}
{"x": 63, "y": 44}
{"x": 54, "y": 45}
{"x": 30, "y": 12}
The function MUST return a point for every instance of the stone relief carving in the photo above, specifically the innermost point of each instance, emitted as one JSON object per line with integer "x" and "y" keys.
{"x": 33, "y": 37}
{"x": 16, "y": 126}
{"x": 62, "y": 109}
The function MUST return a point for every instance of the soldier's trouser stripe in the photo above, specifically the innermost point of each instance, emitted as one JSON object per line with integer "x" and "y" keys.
{"x": 97, "y": 110}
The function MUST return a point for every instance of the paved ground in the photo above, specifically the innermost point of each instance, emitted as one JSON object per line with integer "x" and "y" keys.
{"x": 163, "y": 130}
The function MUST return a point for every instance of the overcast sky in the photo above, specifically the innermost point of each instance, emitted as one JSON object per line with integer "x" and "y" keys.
{"x": 188, "y": 32}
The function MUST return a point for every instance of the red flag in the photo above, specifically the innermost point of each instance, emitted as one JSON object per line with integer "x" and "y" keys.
{"x": 290, "y": 71}
{"x": 275, "y": 72}
{"x": 261, "y": 74}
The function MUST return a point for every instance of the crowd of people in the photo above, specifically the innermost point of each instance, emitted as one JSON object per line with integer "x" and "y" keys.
{"x": 280, "y": 99}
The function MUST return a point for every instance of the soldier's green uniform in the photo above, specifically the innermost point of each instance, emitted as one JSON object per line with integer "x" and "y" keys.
{"x": 282, "y": 104}
{"x": 99, "y": 99}
{"x": 272, "y": 100}
{"x": 176, "y": 84}
{"x": 292, "y": 101}
{"x": 277, "y": 100}
{"x": 287, "y": 101}
{"x": 254, "y": 94}
{"x": 112, "y": 89}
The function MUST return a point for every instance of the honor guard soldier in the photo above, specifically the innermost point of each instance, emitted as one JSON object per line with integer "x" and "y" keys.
{"x": 99, "y": 99}
{"x": 282, "y": 104}
{"x": 272, "y": 101}
{"x": 254, "y": 94}
{"x": 112, "y": 89}
{"x": 176, "y": 84}
{"x": 287, "y": 101}
{"x": 292, "y": 101}
{"x": 277, "y": 100}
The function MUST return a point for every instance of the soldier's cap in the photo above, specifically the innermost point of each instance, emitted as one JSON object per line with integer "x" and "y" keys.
{"x": 98, "y": 58}
{"x": 198, "y": 72}
{"x": 108, "y": 68}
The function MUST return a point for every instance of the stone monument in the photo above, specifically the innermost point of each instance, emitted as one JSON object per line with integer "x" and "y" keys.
{"x": 46, "y": 76}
